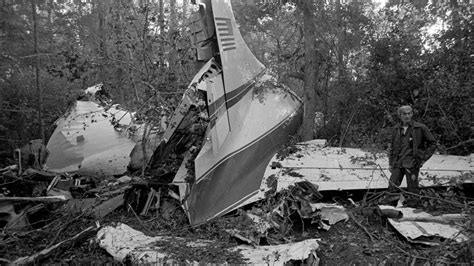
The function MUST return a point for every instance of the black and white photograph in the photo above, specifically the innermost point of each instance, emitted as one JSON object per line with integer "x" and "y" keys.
{"x": 260, "y": 132}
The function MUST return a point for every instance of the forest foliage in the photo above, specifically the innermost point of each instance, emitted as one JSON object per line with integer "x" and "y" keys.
{"x": 368, "y": 60}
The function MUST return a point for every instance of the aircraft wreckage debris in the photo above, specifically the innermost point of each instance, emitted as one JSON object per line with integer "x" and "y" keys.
{"x": 213, "y": 172}
{"x": 126, "y": 244}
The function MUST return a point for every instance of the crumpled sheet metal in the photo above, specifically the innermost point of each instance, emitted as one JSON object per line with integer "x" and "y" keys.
{"x": 86, "y": 142}
{"x": 332, "y": 168}
{"x": 421, "y": 231}
{"x": 127, "y": 244}
{"x": 281, "y": 254}
{"x": 331, "y": 212}
{"x": 261, "y": 224}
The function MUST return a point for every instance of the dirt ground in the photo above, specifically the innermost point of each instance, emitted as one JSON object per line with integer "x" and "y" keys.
{"x": 364, "y": 239}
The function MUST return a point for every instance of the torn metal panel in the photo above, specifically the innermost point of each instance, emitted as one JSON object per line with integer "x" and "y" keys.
{"x": 250, "y": 116}
{"x": 186, "y": 118}
{"x": 181, "y": 181}
{"x": 421, "y": 227}
{"x": 99, "y": 139}
{"x": 330, "y": 213}
{"x": 93, "y": 90}
{"x": 202, "y": 34}
{"x": 127, "y": 244}
{"x": 273, "y": 219}
{"x": 304, "y": 251}
{"x": 85, "y": 141}
{"x": 332, "y": 168}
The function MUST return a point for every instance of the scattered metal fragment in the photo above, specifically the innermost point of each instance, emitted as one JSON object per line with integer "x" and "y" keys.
{"x": 126, "y": 244}
{"x": 418, "y": 226}
{"x": 330, "y": 213}
{"x": 303, "y": 252}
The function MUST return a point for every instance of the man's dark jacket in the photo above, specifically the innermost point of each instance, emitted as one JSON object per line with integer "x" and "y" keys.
{"x": 424, "y": 144}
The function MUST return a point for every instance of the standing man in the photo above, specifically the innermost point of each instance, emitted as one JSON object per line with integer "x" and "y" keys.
{"x": 411, "y": 146}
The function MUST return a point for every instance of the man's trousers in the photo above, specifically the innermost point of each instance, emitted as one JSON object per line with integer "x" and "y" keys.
{"x": 397, "y": 177}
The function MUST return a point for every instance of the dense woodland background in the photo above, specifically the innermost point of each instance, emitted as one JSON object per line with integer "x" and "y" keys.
{"x": 352, "y": 62}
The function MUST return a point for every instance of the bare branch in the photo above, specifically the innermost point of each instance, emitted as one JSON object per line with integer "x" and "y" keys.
{"x": 469, "y": 141}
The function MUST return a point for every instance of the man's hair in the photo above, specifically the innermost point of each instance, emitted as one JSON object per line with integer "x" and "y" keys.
{"x": 403, "y": 108}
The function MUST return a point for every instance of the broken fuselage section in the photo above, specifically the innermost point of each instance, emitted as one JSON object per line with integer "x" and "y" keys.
{"x": 249, "y": 116}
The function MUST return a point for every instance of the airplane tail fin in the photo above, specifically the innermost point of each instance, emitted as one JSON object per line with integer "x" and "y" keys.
{"x": 215, "y": 34}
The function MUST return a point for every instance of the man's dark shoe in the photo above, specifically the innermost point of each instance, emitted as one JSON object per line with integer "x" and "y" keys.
{"x": 413, "y": 203}
{"x": 390, "y": 200}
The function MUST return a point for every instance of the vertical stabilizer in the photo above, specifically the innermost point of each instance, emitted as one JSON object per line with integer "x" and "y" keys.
{"x": 239, "y": 65}
{"x": 250, "y": 116}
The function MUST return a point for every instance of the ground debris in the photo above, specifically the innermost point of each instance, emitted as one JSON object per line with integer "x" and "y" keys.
{"x": 285, "y": 217}
{"x": 46, "y": 252}
{"x": 261, "y": 224}
{"x": 126, "y": 244}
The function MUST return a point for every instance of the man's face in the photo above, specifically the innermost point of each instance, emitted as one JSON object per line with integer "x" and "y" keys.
{"x": 406, "y": 116}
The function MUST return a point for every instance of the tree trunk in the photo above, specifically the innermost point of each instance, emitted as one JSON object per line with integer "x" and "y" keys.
{"x": 340, "y": 42}
{"x": 185, "y": 10}
{"x": 146, "y": 6}
{"x": 162, "y": 16}
{"x": 102, "y": 41}
{"x": 172, "y": 58}
{"x": 161, "y": 47}
{"x": 50, "y": 23}
{"x": 309, "y": 68}
{"x": 118, "y": 30}
{"x": 37, "y": 83}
